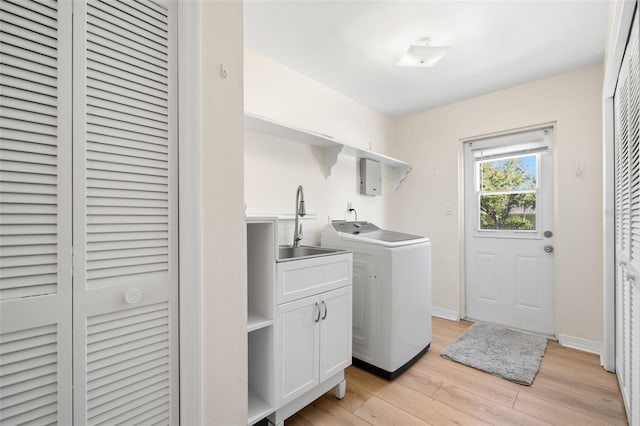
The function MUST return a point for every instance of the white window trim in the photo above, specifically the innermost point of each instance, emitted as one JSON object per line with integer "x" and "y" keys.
{"x": 622, "y": 17}
{"x": 189, "y": 211}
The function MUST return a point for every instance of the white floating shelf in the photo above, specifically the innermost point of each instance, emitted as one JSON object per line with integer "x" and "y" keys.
{"x": 332, "y": 147}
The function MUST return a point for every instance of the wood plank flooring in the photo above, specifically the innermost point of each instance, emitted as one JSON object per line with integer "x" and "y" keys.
{"x": 570, "y": 389}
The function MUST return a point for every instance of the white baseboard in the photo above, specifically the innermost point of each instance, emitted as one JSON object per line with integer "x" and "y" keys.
{"x": 580, "y": 344}
{"x": 445, "y": 313}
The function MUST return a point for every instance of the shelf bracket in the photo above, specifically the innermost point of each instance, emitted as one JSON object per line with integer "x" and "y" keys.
{"x": 331, "y": 158}
{"x": 400, "y": 174}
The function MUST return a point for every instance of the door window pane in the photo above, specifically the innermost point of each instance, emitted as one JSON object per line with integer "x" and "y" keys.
{"x": 514, "y": 211}
{"x": 508, "y": 174}
{"x": 508, "y": 189}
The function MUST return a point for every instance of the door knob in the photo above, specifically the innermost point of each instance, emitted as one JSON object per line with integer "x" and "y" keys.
{"x": 548, "y": 248}
{"x": 133, "y": 296}
{"x": 548, "y": 234}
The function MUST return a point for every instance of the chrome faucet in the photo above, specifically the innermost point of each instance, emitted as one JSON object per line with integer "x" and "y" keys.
{"x": 299, "y": 212}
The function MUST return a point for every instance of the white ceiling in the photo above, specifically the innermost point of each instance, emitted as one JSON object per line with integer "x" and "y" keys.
{"x": 352, "y": 46}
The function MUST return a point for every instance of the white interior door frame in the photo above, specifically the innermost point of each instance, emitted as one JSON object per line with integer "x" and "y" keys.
{"x": 190, "y": 223}
{"x": 622, "y": 18}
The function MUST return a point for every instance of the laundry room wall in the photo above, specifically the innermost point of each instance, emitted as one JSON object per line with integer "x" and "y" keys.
{"x": 274, "y": 167}
{"x": 431, "y": 195}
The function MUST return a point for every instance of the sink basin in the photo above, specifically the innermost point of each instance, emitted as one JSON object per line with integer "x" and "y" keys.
{"x": 292, "y": 253}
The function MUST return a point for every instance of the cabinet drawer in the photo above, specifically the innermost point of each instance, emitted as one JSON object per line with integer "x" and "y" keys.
{"x": 302, "y": 278}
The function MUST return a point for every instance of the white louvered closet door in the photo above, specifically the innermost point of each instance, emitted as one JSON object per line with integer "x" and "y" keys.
{"x": 125, "y": 213}
{"x": 627, "y": 185}
{"x": 35, "y": 212}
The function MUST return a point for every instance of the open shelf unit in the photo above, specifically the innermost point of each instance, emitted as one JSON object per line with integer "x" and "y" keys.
{"x": 261, "y": 255}
{"x": 332, "y": 147}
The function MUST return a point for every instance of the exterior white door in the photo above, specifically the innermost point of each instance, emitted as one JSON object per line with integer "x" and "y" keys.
{"x": 35, "y": 213}
{"x": 125, "y": 300}
{"x": 509, "y": 231}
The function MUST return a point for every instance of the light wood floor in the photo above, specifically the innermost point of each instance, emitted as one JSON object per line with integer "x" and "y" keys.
{"x": 570, "y": 389}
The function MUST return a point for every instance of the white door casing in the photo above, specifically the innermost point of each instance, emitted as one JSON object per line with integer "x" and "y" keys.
{"x": 35, "y": 212}
{"x": 509, "y": 276}
{"x": 125, "y": 212}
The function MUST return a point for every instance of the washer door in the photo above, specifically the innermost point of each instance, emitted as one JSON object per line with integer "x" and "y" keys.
{"x": 365, "y": 303}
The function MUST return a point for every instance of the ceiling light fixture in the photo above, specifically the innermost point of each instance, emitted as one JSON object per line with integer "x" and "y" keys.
{"x": 422, "y": 54}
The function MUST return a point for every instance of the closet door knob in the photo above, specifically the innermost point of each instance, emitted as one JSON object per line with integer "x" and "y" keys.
{"x": 133, "y": 296}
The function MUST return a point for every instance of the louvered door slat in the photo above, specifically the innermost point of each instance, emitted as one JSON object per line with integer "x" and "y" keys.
{"x": 113, "y": 380}
{"x": 141, "y": 104}
{"x": 116, "y": 113}
{"x": 25, "y": 65}
{"x": 35, "y": 20}
{"x": 122, "y": 95}
{"x": 28, "y": 74}
{"x": 125, "y": 225}
{"x": 127, "y": 110}
{"x": 115, "y": 25}
{"x": 27, "y": 50}
{"x": 149, "y": 74}
{"x": 30, "y": 101}
{"x": 102, "y": 32}
{"x": 21, "y": 29}
{"x": 133, "y": 21}
{"x": 98, "y": 127}
{"x": 120, "y": 49}
{"x": 20, "y": 146}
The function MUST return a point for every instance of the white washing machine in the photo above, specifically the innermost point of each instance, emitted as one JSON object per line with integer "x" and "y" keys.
{"x": 391, "y": 294}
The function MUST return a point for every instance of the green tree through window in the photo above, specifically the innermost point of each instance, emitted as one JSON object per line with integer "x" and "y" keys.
{"x": 514, "y": 206}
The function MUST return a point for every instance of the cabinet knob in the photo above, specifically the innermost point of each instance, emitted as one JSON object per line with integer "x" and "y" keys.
{"x": 325, "y": 310}
{"x": 317, "y": 310}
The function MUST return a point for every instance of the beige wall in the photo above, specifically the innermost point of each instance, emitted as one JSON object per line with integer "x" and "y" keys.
{"x": 431, "y": 140}
{"x": 224, "y": 347}
{"x": 275, "y": 167}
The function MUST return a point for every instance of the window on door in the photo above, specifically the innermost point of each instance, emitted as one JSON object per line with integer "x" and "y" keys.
{"x": 507, "y": 188}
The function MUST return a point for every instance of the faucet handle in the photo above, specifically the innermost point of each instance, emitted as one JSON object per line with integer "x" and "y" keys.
{"x": 300, "y": 232}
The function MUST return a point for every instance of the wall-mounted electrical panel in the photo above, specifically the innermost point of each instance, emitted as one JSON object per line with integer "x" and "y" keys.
{"x": 370, "y": 177}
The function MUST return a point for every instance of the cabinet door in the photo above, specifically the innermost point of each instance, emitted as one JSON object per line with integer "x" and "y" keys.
{"x": 335, "y": 331}
{"x": 297, "y": 348}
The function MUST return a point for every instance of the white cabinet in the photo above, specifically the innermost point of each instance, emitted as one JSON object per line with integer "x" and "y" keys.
{"x": 314, "y": 341}
{"x": 312, "y": 330}
{"x": 298, "y": 325}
